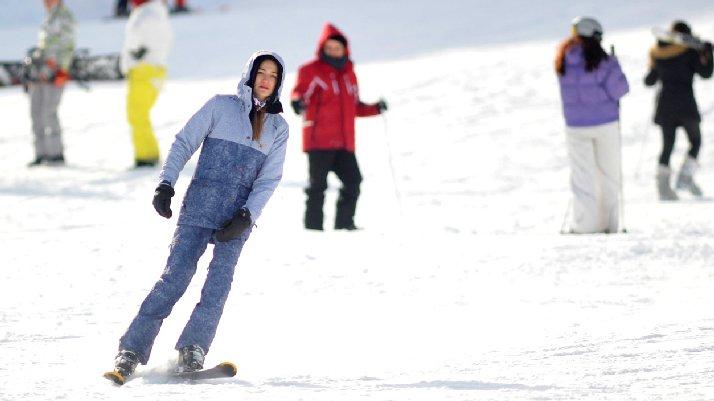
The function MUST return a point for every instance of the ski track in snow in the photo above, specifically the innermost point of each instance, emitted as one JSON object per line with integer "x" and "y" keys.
{"x": 459, "y": 288}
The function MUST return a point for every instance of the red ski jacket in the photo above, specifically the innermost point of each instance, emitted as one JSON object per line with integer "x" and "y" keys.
{"x": 331, "y": 100}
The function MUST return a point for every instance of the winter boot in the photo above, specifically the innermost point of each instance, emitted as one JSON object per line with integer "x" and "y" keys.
{"x": 125, "y": 363}
{"x": 665, "y": 191}
{"x": 191, "y": 358}
{"x": 38, "y": 161}
{"x": 55, "y": 160}
{"x": 685, "y": 178}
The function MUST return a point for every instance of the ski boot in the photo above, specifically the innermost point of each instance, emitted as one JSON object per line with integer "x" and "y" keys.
{"x": 665, "y": 191}
{"x": 124, "y": 365}
{"x": 190, "y": 359}
{"x": 685, "y": 178}
{"x": 37, "y": 162}
{"x": 55, "y": 160}
{"x": 138, "y": 164}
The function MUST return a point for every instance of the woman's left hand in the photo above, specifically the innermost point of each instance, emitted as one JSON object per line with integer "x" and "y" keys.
{"x": 238, "y": 224}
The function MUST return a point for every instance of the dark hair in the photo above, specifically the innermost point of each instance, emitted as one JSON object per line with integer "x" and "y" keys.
{"x": 593, "y": 53}
{"x": 681, "y": 27}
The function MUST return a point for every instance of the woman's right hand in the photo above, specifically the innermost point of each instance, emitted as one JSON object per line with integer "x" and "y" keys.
{"x": 162, "y": 199}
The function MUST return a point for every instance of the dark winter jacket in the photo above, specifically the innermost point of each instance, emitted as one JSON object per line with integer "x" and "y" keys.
{"x": 331, "y": 100}
{"x": 675, "y": 66}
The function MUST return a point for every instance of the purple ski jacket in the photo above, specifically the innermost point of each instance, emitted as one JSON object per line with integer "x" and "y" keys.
{"x": 591, "y": 98}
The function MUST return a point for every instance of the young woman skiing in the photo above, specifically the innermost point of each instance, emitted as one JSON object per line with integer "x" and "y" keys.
{"x": 591, "y": 85}
{"x": 675, "y": 66}
{"x": 243, "y": 149}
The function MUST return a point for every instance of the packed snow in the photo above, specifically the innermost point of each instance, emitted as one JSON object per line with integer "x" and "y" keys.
{"x": 460, "y": 286}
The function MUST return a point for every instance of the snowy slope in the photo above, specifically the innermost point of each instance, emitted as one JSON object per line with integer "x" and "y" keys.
{"x": 459, "y": 288}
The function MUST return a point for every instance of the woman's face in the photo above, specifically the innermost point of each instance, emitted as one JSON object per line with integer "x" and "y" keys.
{"x": 265, "y": 80}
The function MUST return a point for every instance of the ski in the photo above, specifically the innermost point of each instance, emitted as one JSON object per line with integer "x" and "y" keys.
{"x": 220, "y": 371}
{"x": 677, "y": 38}
{"x": 116, "y": 377}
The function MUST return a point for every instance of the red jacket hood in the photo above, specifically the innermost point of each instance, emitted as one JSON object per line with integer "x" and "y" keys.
{"x": 327, "y": 31}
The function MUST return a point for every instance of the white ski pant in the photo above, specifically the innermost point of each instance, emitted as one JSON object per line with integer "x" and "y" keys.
{"x": 595, "y": 177}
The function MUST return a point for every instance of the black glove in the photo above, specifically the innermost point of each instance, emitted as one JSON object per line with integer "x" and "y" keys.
{"x": 239, "y": 223}
{"x": 162, "y": 199}
{"x": 139, "y": 53}
{"x": 297, "y": 106}
{"x": 382, "y": 106}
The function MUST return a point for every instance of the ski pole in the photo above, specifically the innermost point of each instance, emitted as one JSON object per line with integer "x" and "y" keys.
{"x": 619, "y": 139}
{"x": 565, "y": 216}
{"x": 643, "y": 139}
{"x": 391, "y": 164}
{"x": 622, "y": 180}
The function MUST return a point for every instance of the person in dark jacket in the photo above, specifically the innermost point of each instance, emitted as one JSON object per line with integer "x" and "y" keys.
{"x": 327, "y": 96}
{"x": 674, "y": 65}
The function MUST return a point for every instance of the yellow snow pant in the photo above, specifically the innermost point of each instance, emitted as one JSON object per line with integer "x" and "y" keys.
{"x": 145, "y": 82}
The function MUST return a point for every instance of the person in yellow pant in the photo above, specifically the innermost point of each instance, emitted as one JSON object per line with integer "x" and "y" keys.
{"x": 145, "y": 82}
{"x": 146, "y": 49}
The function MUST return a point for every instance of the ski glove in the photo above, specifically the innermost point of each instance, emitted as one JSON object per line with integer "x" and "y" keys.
{"x": 297, "y": 106}
{"x": 162, "y": 199}
{"x": 239, "y": 223}
{"x": 139, "y": 53}
{"x": 382, "y": 106}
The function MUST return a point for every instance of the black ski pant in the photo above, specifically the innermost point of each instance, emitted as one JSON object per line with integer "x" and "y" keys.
{"x": 669, "y": 132}
{"x": 344, "y": 164}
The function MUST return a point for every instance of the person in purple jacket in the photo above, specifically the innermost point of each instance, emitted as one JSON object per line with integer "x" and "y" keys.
{"x": 591, "y": 85}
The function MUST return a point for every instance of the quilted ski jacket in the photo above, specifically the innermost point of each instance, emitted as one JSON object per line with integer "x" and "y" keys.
{"x": 233, "y": 170}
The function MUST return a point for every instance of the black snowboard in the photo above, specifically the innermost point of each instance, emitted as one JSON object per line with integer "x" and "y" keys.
{"x": 85, "y": 67}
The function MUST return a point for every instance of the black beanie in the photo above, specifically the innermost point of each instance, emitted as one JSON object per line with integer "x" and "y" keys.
{"x": 272, "y": 104}
{"x": 339, "y": 38}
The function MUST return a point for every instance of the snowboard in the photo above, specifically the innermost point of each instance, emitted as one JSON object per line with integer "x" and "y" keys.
{"x": 678, "y": 38}
{"x": 85, "y": 67}
{"x": 220, "y": 371}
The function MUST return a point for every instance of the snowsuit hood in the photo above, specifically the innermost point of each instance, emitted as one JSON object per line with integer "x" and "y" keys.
{"x": 245, "y": 90}
{"x": 327, "y": 31}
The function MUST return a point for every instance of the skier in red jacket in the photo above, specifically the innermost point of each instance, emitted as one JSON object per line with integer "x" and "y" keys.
{"x": 327, "y": 96}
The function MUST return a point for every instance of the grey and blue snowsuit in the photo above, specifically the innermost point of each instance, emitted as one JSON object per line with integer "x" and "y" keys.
{"x": 233, "y": 171}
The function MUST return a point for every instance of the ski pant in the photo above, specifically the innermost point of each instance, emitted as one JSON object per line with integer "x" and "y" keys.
{"x": 344, "y": 164}
{"x": 188, "y": 244}
{"x": 595, "y": 159}
{"x": 122, "y": 7}
{"x": 669, "y": 133}
{"x": 145, "y": 82}
{"x": 44, "y": 102}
